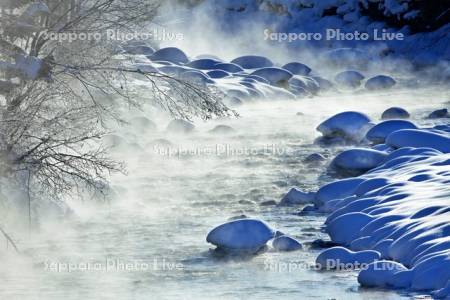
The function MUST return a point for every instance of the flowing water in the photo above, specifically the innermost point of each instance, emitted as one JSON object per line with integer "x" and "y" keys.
{"x": 148, "y": 241}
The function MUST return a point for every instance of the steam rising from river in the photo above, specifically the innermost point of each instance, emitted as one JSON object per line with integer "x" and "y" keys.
{"x": 156, "y": 217}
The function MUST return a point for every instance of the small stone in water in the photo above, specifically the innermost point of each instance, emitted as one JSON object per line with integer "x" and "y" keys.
{"x": 268, "y": 203}
{"x": 286, "y": 243}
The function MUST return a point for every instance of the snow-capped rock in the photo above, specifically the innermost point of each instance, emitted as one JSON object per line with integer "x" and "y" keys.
{"x": 379, "y": 132}
{"x": 297, "y": 68}
{"x": 252, "y": 62}
{"x": 341, "y": 258}
{"x": 286, "y": 243}
{"x": 180, "y": 126}
{"x": 217, "y": 74}
{"x": 337, "y": 190}
{"x": 380, "y": 82}
{"x": 203, "y": 64}
{"x": 380, "y": 274}
{"x": 440, "y": 113}
{"x": 349, "y": 79}
{"x": 276, "y": 76}
{"x": 296, "y": 196}
{"x": 306, "y": 83}
{"x": 247, "y": 235}
{"x": 222, "y": 129}
{"x": 349, "y": 125}
{"x": 229, "y": 67}
{"x": 419, "y": 138}
{"x": 395, "y": 113}
{"x": 171, "y": 54}
{"x": 357, "y": 161}
{"x": 196, "y": 76}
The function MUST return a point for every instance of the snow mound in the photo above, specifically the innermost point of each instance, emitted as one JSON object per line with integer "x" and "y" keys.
{"x": 379, "y": 132}
{"x": 349, "y": 79}
{"x": 297, "y": 68}
{"x": 286, "y": 243}
{"x": 324, "y": 84}
{"x": 395, "y": 113}
{"x": 171, "y": 54}
{"x": 419, "y": 138}
{"x": 342, "y": 258}
{"x": 222, "y": 129}
{"x": 380, "y": 82}
{"x": 357, "y": 161}
{"x": 381, "y": 274}
{"x": 139, "y": 49}
{"x": 440, "y": 113}
{"x": 336, "y": 190}
{"x": 252, "y": 62}
{"x": 228, "y": 67}
{"x": 217, "y": 74}
{"x": 308, "y": 84}
{"x": 180, "y": 126}
{"x": 349, "y": 125}
{"x": 196, "y": 77}
{"x": 203, "y": 64}
{"x": 276, "y": 76}
{"x": 241, "y": 235}
{"x": 296, "y": 196}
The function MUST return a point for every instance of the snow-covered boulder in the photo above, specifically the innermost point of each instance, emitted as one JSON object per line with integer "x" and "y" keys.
{"x": 440, "y": 113}
{"x": 222, "y": 129}
{"x": 171, "y": 54}
{"x": 256, "y": 78}
{"x": 139, "y": 50}
{"x": 379, "y": 132}
{"x": 432, "y": 273}
{"x": 442, "y": 293}
{"x": 346, "y": 228}
{"x": 370, "y": 185}
{"x": 357, "y": 161}
{"x": 341, "y": 258}
{"x": 381, "y": 274}
{"x": 419, "y": 138}
{"x": 229, "y": 67}
{"x": 180, "y": 126}
{"x": 146, "y": 68}
{"x": 173, "y": 70}
{"x": 303, "y": 82}
{"x": 276, "y": 76}
{"x": 286, "y": 243}
{"x": 196, "y": 77}
{"x": 296, "y": 196}
{"x": 324, "y": 84}
{"x": 380, "y": 82}
{"x": 247, "y": 235}
{"x": 203, "y": 64}
{"x": 337, "y": 190}
{"x": 395, "y": 113}
{"x": 297, "y": 68}
{"x": 349, "y": 79}
{"x": 349, "y": 125}
{"x": 252, "y": 62}
{"x": 217, "y": 74}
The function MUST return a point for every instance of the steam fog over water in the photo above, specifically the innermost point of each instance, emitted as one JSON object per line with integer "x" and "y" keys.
{"x": 157, "y": 216}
